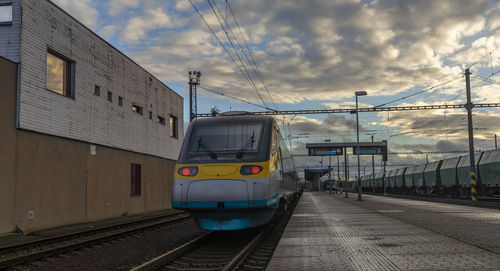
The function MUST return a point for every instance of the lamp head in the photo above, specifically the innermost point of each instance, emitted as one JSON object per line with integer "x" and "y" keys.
{"x": 361, "y": 93}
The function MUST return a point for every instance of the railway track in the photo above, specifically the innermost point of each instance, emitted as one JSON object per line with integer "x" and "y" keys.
{"x": 489, "y": 203}
{"x": 238, "y": 250}
{"x": 26, "y": 252}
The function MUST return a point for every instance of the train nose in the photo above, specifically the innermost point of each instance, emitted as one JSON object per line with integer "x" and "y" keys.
{"x": 217, "y": 194}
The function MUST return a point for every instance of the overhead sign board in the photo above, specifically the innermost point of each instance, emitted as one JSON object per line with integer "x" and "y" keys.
{"x": 365, "y": 148}
{"x": 368, "y": 150}
{"x": 325, "y": 151}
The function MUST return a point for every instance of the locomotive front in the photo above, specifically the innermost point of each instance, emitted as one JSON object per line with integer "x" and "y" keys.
{"x": 226, "y": 176}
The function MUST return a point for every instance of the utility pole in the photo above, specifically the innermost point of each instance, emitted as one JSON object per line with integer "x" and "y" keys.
{"x": 496, "y": 146}
{"x": 346, "y": 173}
{"x": 194, "y": 80}
{"x": 338, "y": 173}
{"x": 373, "y": 163}
{"x": 469, "y": 105}
{"x": 383, "y": 181}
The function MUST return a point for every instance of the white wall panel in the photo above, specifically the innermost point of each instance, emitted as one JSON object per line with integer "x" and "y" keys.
{"x": 88, "y": 117}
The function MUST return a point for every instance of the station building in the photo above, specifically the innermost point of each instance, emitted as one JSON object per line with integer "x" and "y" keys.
{"x": 85, "y": 132}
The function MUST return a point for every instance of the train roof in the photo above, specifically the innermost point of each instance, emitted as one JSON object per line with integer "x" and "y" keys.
{"x": 235, "y": 117}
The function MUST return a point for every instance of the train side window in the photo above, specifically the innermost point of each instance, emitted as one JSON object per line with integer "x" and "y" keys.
{"x": 274, "y": 147}
{"x": 135, "y": 179}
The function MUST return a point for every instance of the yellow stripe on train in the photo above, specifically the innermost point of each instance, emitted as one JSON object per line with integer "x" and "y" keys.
{"x": 225, "y": 170}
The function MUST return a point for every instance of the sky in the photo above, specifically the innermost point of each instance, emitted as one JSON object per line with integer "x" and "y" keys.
{"x": 298, "y": 54}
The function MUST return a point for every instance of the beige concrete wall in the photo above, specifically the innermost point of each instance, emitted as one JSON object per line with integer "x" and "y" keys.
{"x": 8, "y": 75}
{"x": 109, "y": 183}
{"x": 47, "y": 181}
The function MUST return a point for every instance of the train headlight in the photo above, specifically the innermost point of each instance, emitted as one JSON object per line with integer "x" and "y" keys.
{"x": 250, "y": 170}
{"x": 188, "y": 171}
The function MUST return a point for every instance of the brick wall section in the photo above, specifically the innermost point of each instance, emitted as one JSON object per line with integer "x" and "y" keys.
{"x": 87, "y": 117}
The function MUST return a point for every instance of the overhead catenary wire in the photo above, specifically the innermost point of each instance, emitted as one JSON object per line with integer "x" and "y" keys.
{"x": 250, "y": 52}
{"x": 420, "y": 92}
{"x": 222, "y": 45}
{"x": 234, "y": 98}
{"x": 225, "y": 30}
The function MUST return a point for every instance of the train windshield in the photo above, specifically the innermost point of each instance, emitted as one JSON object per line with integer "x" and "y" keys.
{"x": 225, "y": 141}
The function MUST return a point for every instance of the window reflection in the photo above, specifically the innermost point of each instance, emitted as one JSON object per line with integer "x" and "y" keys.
{"x": 56, "y": 69}
{"x": 6, "y": 14}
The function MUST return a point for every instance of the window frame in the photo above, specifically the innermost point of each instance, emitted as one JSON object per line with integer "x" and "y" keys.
{"x": 97, "y": 90}
{"x": 174, "y": 127}
{"x": 135, "y": 179}
{"x": 69, "y": 76}
{"x": 110, "y": 96}
{"x": 140, "y": 109}
{"x": 161, "y": 120}
{"x": 7, "y": 23}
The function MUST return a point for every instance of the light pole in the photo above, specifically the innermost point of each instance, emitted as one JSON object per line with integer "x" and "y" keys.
{"x": 358, "y": 93}
{"x": 194, "y": 80}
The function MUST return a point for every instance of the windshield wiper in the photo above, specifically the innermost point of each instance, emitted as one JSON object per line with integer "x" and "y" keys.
{"x": 211, "y": 153}
{"x": 245, "y": 148}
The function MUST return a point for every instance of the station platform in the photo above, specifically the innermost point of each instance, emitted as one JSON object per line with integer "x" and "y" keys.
{"x": 331, "y": 232}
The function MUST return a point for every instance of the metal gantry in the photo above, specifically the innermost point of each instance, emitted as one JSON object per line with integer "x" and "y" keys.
{"x": 366, "y": 109}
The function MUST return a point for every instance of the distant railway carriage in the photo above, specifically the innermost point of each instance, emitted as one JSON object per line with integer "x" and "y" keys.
{"x": 432, "y": 177}
{"x": 449, "y": 177}
{"x": 418, "y": 177}
{"x": 378, "y": 181}
{"x": 234, "y": 172}
{"x": 489, "y": 172}
{"x": 409, "y": 180}
{"x": 463, "y": 173}
{"x": 448, "y": 172}
{"x": 400, "y": 179}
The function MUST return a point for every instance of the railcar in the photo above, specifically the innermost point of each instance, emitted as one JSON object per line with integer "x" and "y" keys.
{"x": 234, "y": 172}
{"x": 448, "y": 177}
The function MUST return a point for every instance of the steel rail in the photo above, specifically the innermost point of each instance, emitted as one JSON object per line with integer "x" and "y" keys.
{"x": 161, "y": 260}
{"x": 72, "y": 241}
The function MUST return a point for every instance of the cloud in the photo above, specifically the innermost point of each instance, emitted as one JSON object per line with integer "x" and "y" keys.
{"x": 137, "y": 28}
{"x": 83, "y": 10}
{"x": 116, "y": 7}
{"x": 107, "y": 31}
{"x": 323, "y": 50}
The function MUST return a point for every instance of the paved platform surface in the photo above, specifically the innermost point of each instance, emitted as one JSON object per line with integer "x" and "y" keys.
{"x": 10, "y": 239}
{"x": 330, "y": 232}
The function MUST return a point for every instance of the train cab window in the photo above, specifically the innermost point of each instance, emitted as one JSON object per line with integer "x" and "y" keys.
{"x": 135, "y": 179}
{"x": 226, "y": 140}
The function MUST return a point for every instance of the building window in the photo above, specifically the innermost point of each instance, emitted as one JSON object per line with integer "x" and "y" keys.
{"x": 110, "y": 96}
{"x": 60, "y": 74}
{"x": 137, "y": 109}
{"x": 5, "y": 13}
{"x": 160, "y": 120}
{"x": 150, "y": 115}
{"x": 120, "y": 101}
{"x": 173, "y": 126}
{"x": 135, "y": 179}
{"x": 97, "y": 90}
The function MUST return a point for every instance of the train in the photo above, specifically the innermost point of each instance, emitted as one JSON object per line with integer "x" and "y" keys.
{"x": 447, "y": 177}
{"x": 234, "y": 172}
